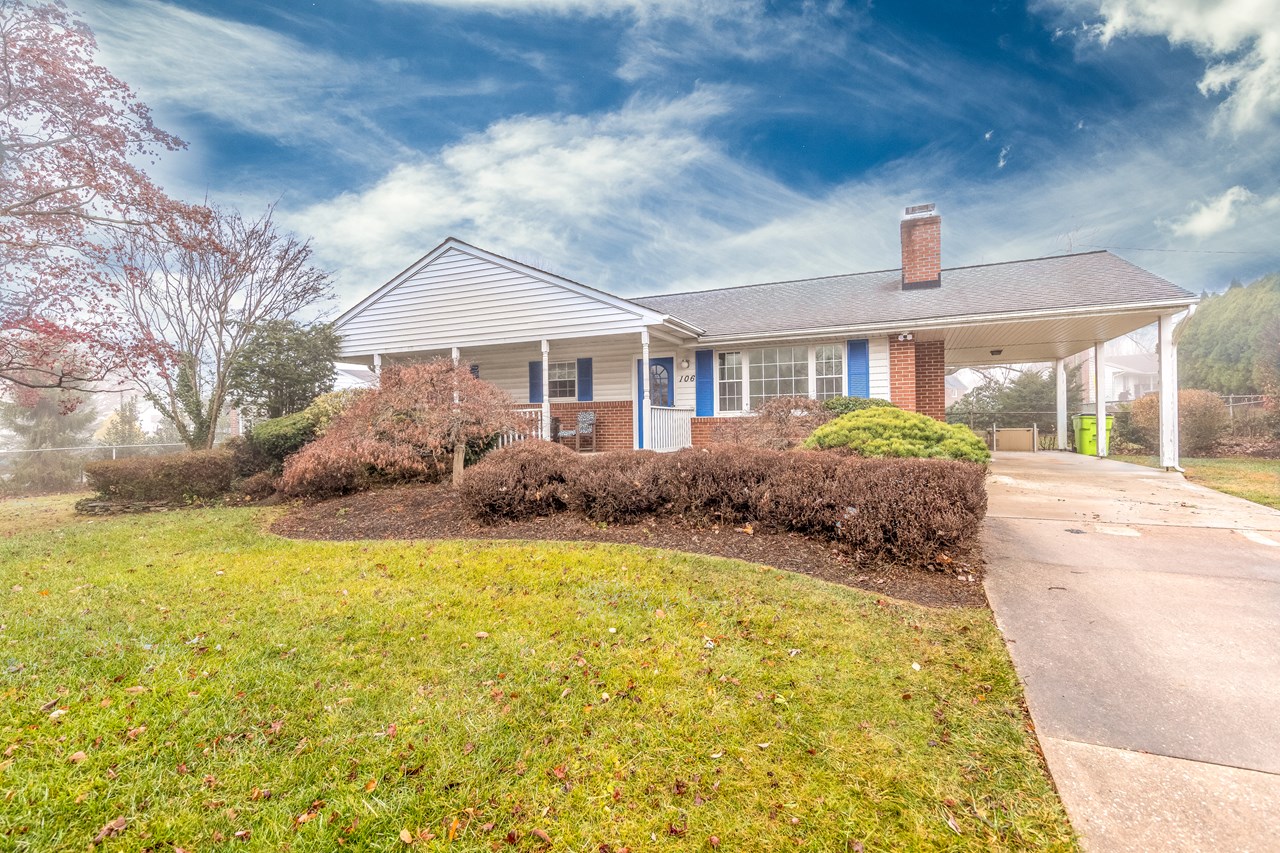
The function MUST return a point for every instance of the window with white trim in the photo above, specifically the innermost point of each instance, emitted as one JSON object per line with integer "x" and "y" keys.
{"x": 562, "y": 380}
{"x": 778, "y": 372}
{"x": 828, "y": 365}
{"x": 729, "y": 382}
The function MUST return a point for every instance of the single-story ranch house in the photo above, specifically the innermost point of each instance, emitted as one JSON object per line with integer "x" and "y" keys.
{"x": 565, "y": 350}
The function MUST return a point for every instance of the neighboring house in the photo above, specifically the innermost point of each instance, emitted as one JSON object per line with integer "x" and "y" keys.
{"x": 560, "y": 347}
{"x": 1129, "y": 376}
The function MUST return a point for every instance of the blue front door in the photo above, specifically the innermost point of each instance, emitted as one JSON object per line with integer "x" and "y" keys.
{"x": 662, "y": 389}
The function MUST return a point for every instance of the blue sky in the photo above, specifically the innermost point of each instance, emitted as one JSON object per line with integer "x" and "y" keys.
{"x": 648, "y": 145}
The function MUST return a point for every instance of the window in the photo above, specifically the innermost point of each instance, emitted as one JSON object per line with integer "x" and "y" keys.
{"x": 730, "y": 382}
{"x": 829, "y": 370}
{"x": 778, "y": 372}
{"x": 562, "y": 379}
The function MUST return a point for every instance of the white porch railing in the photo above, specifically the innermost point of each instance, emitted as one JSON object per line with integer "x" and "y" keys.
{"x": 532, "y": 418}
{"x": 670, "y": 429}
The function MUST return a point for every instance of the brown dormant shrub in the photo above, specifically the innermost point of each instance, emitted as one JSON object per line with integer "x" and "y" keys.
{"x": 410, "y": 428}
{"x": 176, "y": 478}
{"x": 526, "y": 479}
{"x": 617, "y": 487}
{"x": 1202, "y": 419}
{"x": 800, "y": 495}
{"x": 907, "y": 510}
{"x": 904, "y": 510}
{"x": 779, "y": 424}
{"x": 717, "y": 482}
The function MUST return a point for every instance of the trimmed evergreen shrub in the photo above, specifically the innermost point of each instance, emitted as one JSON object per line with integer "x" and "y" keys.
{"x": 176, "y": 478}
{"x": 882, "y": 431}
{"x": 280, "y": 438}
{"x": 325, "y": 409}
{"x": 526, "y": 479}
{"x": 718, "y": 482}
{"x": 845, "y": 405}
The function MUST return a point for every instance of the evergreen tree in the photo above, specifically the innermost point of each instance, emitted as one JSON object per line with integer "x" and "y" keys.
{"x": 1031, "y": 397}
{"x": 1221, "y": 346}
{"x": 41, "y": 421}
{"x": 283, "y": 367}
{"x": 124, "y": 428}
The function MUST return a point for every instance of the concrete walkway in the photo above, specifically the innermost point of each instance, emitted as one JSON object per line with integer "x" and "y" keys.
{"x": 1143, "y": 615}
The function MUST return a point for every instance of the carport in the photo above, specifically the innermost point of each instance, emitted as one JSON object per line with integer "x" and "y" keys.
{"x": 1083, "y": 302}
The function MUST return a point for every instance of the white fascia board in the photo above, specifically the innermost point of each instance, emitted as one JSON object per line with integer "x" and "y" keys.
{"x": 499, "y": 341}
{"x": 930, "y": 324}
{"x": 645, "y": 315}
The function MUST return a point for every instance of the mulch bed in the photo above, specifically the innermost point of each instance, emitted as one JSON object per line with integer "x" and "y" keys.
{"x": 434, "y": 512}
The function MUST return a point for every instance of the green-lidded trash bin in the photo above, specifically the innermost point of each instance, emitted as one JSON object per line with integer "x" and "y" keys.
{"x": 1086, "y": 430}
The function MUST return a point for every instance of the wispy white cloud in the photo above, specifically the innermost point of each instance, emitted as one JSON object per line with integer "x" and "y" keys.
{"x": 256, "y": 80}
{"x": 1220, "y": 213}
{"x": 643, "y": 199}
{"x": 663, "y": 33}
{"x": 1239, "y": 39}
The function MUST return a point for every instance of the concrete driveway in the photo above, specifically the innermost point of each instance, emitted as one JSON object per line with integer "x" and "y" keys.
{"x": 1143, "y": 615}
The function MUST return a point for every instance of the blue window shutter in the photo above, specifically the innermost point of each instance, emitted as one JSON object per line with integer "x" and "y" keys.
{"x": 858, "y": 365}
{"x": 704, "y": 382}
{"x": 584, "y": 380}
{"x": 535, "y": 382}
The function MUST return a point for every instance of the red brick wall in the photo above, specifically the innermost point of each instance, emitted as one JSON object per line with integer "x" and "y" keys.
{"x": 703, "y": 430}
{"x": 615, "y": 424}
{"x": 921, "y": 250}
{"x": 917, "y": 376}
{"x": 931, "y": 379}
{"x": 902, "y": 373}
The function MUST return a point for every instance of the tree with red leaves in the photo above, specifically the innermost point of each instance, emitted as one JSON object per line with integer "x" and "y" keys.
{"x": 420, "y": 418}
{"x": 70, "y": 135}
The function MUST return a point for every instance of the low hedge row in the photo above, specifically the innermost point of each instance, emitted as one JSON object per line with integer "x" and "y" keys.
{"x": 907, "y": 510}
{"x": 177, "y": 478}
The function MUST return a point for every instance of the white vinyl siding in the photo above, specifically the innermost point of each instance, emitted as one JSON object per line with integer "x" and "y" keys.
{"x": 461, "y": 300}
{"x": 878, "y": 355}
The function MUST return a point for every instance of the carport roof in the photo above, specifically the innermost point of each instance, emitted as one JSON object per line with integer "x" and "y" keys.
{"x": 1089, "y": 282}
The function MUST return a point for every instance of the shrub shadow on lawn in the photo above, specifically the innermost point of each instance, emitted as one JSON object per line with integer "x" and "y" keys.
{"x": 434, "y": 511}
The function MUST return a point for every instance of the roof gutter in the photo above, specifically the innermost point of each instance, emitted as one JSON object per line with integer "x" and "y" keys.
{"x": 925, "y": 324}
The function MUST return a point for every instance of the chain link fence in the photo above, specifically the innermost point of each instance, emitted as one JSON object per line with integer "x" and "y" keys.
{"x": 1248, "y": 417}
{"x": 60, "y": 469}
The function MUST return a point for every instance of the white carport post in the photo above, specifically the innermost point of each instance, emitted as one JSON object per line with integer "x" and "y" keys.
{"x": 1100, "y": 395}
{"x": 377, "y": 363}
{"x": 646, "y": 406}
{"x": 1060, "y": 372}
{"x": 1168, "y": 394}
{"x": 546, "y": 391}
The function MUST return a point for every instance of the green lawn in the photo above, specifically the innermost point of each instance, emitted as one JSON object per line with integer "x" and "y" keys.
{"x": 1257, "y": 480}
{"x": 199, "y": 678}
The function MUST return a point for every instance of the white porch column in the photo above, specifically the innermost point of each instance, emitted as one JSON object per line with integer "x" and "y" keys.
{"x": 1060, "y": 371}
{"x": 646, "y": 408}
{"x": 1100, "y": 395}
{"x": 546, "y": 391}
{"x": 457, "y": 357}
{"x": 1168, "y": 394}
{"x": 377, "y": 363}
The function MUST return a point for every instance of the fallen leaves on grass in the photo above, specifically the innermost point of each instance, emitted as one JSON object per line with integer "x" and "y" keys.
{"x": 77, "y": 757}
{"x": 110, "y": 829}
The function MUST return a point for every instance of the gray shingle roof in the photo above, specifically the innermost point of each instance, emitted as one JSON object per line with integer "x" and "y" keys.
{"x": 1087, "y": 280}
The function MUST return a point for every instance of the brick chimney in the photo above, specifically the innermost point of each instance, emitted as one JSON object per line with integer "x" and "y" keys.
{"x": 921, "y": 247}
